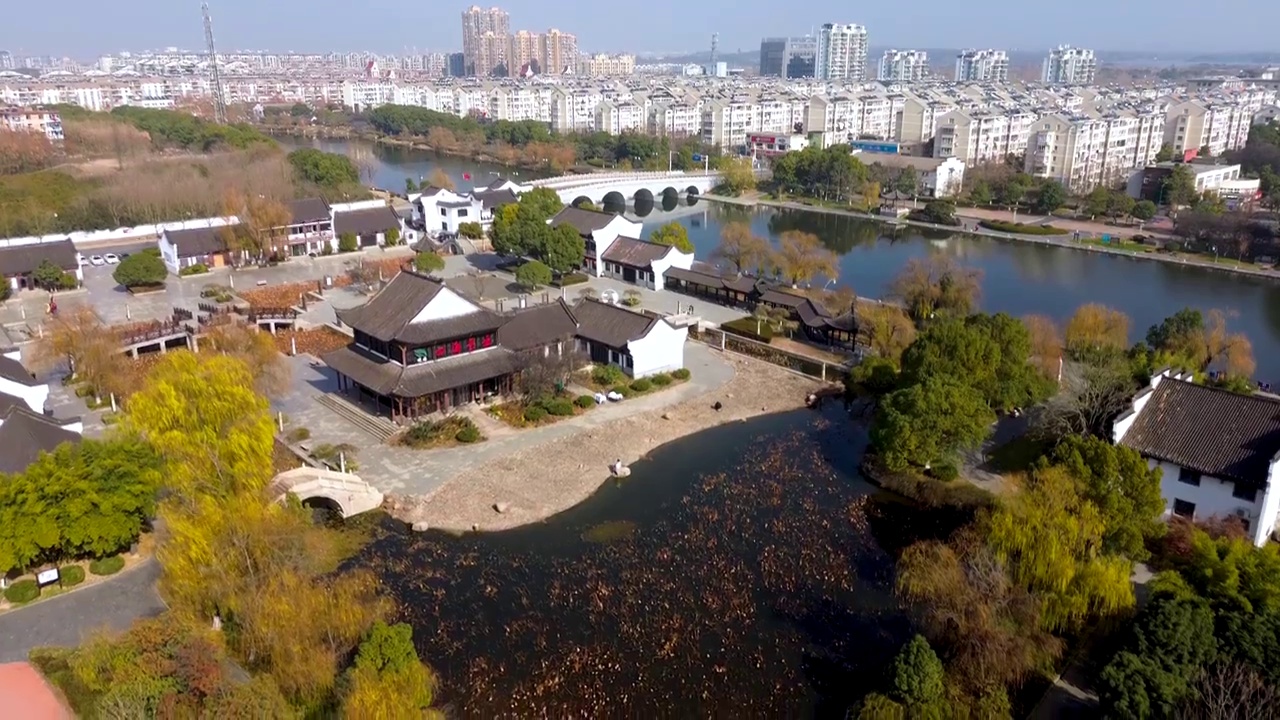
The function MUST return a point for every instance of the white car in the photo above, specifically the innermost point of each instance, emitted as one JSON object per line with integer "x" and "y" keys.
{"x": 111, "y": 258}
{"x": 97, "y": 260}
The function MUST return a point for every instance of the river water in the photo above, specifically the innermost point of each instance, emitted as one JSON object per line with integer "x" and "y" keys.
{"x": 744, "y": 572}
{"x": 1018, "y": 278}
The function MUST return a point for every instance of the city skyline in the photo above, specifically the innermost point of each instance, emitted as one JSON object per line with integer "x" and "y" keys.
{"x": 328, "y": 26}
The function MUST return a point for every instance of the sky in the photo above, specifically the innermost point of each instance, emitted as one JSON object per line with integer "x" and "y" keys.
{"x": 84, "y": 29}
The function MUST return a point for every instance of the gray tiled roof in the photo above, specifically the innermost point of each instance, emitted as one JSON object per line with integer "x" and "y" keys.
{"x": 609, "y": 324}
{"x": 536, "y": 326}
{"x": 199, "y": 241}
{"x": 366, "y": 221}
{"x": 14, "y": 370}
{"x": 633, "y": 252}
{"x": 584, "y": 221}
{"x": 25, "y": 434}
{"x": 388, "y": 378}
{"x": 388, "y": 314}
{"x": 1211, "y": 431}
{"x": 309, "y": 210}
{"x": 24, "y": 259}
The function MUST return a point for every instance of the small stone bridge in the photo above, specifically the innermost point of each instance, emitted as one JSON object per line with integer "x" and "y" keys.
{"x": 620, "y": 188}
{"x": 341, "y": 492}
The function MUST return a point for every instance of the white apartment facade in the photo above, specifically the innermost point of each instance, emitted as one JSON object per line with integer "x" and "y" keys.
{"x": 34, "y": 120}
{"x": 977, "y": 137}
{"x": 842, "y": 52}
{"x": 903, "y": 66}
{"x": 1084, "y": 152}
{"x": 982, "y": 66}
{"x": 1194, "y": 124}
{"x": 1068, "y": 65}
{"x": 617, "y": 118}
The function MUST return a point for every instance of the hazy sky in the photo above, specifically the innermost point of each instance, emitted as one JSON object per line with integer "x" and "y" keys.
{"x": 86, "y": 28}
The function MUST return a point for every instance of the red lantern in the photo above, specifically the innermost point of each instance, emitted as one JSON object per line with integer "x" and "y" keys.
{"x": 488, "y": 340}
{"x": 440, "y": 351}
{"x": 471, "y": 344}
{"x": 457, "y": 347}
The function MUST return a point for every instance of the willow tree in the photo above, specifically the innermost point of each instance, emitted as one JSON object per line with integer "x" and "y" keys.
{"x": 79, "y": 338}
{"x": 201, "y": 412}
{"x": 802, "y": 257}
{"x": 742, "y": 249}
{"x": 1095, "y": 332}
{"x": 885, "y": 329}
{"x": 257, "y": 350}
{"x": 1052, "y": 540}
{"x": 936, "y": 285}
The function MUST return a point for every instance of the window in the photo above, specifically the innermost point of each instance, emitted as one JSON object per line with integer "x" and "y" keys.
{"x": 1190, "y": 477}
{"x": 1245, "y": 492}
{"x": 462, "y": 212}
{"x": 1184, "y": 509}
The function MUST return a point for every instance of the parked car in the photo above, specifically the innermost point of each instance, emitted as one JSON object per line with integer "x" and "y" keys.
{"x": 97, "y": 261}
{"x": 111, "y": 258}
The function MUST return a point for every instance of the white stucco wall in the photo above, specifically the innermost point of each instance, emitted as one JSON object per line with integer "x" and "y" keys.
{"x": 446, "y": 304}
{"x": 1212, "y": 497}
{"x": 1270, "y": 505}
{"x": 35, "y": 396}
{"x": 605, "y": 236}
{"x": 169, "y": 254}
{"x": 673, "y": 258}
{"x": 662, "y": 350}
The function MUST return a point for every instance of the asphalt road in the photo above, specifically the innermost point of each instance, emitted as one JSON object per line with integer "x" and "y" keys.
{"x": 68, "y": 619}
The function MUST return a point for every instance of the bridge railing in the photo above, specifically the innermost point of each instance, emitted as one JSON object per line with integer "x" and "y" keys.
{"x": 597, "y": 178}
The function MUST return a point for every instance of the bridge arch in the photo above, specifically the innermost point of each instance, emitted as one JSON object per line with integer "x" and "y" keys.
{"x": 319, "y": 488}
{"x": 614, "y": 201}
{"x": 643, "y": 195}
{"x": 581, "y": 200}
{"x": 670, "y": 192}
{"x": 692, "y": 191}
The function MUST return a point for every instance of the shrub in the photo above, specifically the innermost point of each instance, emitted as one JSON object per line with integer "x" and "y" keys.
{"x": 661, "y": 379}
{"x": 107, "y": 566}
{"x": 584, "y": 401}
{"x": 71, "y": 575}
{"x": 748, "y": 327}
{"x": 427, "y": 433}
{"x": 428, "y": 262}
{"x": 23, "y": 591}
{"x": 1021, "y": 228}
{"x": 469, "y": 434}
{"x": 559, "y": 406}
{"x": 533, "y": 274}
{"x": 67, "y": 281}
{"x": 945, "y": 472}
{"x": 607, "y": 375}
{"x": 534, "y": 413}
{"x": 297, "y": 435}
{"x": 347, "y": 243}
{"x": 623, "y": 390}
{"x": 197, "y": 269}
{"x": 471, "y": 230}
{"x": 568, "y": 279}
{"x": 141, "y": 270}
{"x": 681, "y": 374}
{"x": 642, "y": 385}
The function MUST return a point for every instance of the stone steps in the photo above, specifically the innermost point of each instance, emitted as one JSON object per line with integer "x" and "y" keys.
{"x": 380, "y": 428}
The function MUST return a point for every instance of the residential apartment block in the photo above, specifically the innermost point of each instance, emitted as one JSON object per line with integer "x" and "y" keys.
{"x": 982, "y": 66}
{"x": 1215, "y": 124}
{"x": 842, "y": 53}
{"x": 904, "y": 65}
{"x": 1068, "y": 65}
{"x": 485, "y": 39}
{"x": 1085, "y": 152}
{"x": 982, "y": 137}
{"x": 793, "y": 57}
{"x": 606, "y": 65}
{"x": 35, "y": 120}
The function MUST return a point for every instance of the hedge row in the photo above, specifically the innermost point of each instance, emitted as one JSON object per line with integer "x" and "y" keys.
{"x": 1021, "y": 228}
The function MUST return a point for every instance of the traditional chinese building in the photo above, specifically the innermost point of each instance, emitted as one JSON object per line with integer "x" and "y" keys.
{"x": 419, "y": 347}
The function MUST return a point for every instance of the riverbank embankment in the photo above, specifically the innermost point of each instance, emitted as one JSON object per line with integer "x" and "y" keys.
{"x": 978, "y": 231}
{"x": 538, "y": 480}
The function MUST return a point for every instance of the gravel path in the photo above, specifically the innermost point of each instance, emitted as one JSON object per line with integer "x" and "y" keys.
{"x": 539, "y": 479}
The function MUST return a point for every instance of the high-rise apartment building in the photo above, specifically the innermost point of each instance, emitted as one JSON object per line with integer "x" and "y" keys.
{"x": 485, "y": 39}
{"x": 558, "y": 52}
{"x": 1067, "y": 65}
{"x": 525, "y": 52}
{"x": 6, "y": 60}
{"x": 788, "y": 57}
{"x": 903, "y": 65}
{"x": 982, "y": 66}
{"x": 842, "y": 52}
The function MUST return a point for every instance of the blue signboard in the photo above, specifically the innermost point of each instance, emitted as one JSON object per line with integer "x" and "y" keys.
{"x": 875, "y": 146}
{"x": 697, "y": 158}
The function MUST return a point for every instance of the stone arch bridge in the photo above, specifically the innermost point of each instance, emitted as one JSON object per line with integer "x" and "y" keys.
{"x": 621, "y": 188}
{"x": 344, "y": 493}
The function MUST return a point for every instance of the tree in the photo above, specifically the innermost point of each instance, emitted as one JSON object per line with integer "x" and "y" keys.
{"x": 1096, "y": 331}
{"x": 473, "y": 230}
{"x": 1046, "y": 344}
{"x": 1048, "y": 536}
{"x": 742, "y": 249}
{"x": 441, "y": 179}
{"x": 329, "y": 171}
{"x": 1096, "y": 202}
{"x": 802, "y": 257}
{"x": 918, "y": 677}
{"x": 86, "y": 499}
{"x": 1165, "y": 153}
{"x": 1051, "y": 196}
{"x": 1172, "y": 638}
{"x": 1126, "y": 492}
{"x": 1119, "y": 204}
{"x": 990, "y": 353}
{"x": 392, "y": 236}
{"x": 428, "y": 263}
{"x": 929, "y": 422}
{"x": 1143, "y": 210}
{"x": 886, "y": 330}
{"x": 1089, "y": 401}
{"x": 80, "y": 338}
{"x": 387, "y": 679}
{"x": 141, "y": 270}
{"x": 47, "y": 275}
{"x": 1012, "y": 191}
{"x": 907, "y": 181}
{"x": 261, "y": 219}
{"x": 533, "y": 275}
{"x": 1202, "y": 343}
{"x": 1179, "y": 188}
{"x": 980, "y": 193}
{"x": 673, "y": 234}
{"x": 201, "y": 413}
{"x": 347, "y": 242}
{"x": 936, "y": 285}
{"x": 257, "y": 350}
{"x": 563, "y": 249}
{"x": 736, "y": 175}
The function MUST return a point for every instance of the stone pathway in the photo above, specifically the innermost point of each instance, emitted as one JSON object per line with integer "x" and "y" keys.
{"x": 401, "y": 470}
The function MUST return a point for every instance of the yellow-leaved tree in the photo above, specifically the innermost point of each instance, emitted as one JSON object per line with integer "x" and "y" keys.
{"x": 1050, "y": 537}
{"x": 201, "y": 412}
